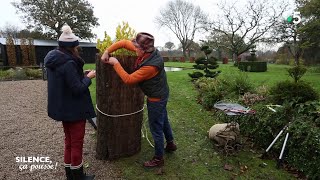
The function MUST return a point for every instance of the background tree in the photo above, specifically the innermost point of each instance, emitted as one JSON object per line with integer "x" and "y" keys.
{"x": 49, "y": 16}
{"x": 309, "y": 30}
{"x": 288, "y": 33}
{"x": 183, "y": 19}
{"x": 9, "y": 30}
{"x": 33, "y": 34}
{"x": 244, "y": 25}
{"x": 15, "y": 32}
{"x": 193, "y": 49}
{"x": 169, "y": 45}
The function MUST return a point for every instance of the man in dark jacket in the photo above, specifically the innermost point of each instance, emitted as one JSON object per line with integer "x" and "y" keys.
{"x": 69, "y": 99}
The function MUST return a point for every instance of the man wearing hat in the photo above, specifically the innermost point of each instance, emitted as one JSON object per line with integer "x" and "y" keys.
{"x": 150, "y": 75}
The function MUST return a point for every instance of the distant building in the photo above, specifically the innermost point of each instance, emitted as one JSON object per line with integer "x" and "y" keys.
{"x": 42, "y": 47}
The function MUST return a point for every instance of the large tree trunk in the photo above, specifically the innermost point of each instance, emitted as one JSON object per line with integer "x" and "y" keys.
{"x": 117, "y": 136}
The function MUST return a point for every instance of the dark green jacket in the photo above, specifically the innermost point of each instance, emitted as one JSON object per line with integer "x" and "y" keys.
{"x": 156, "y": 87}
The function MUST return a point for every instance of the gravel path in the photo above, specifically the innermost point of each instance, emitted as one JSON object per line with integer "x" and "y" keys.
{"x": 27, "y": 131}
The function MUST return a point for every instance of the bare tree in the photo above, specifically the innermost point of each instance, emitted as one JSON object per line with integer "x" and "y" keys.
{"x": 244, "y": 25}
{"x": 184, "y": 20}
{"x": 9, "y": 30}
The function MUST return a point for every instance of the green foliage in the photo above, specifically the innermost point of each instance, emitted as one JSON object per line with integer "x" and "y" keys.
{"x": 210, "y": 91}
{"x": 310, "y": 11}
{"x": 227, "y": 87}
{"x": 20, "y": 74}
{"x": 239, "y": 83}
{"x": 314, "y": 69}
{"x": 196, "y": 75}
{"x": 33, "y": 73}
{"x": 297, "y": 72}
{"x": 6, "y": 75}
{"x": 197, "y": 157}
{"x": 253, "y": 66}
{"x": 123, "y": 31}
{"x": 205, "y": 63}
{"x": 300, "y": 107}
{"x": 303, "y": 146}
{"x": 289, "y": 91}
{"x": 50, "y": 16}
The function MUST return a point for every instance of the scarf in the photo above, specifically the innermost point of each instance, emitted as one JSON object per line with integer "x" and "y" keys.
{"x": 140, "y": 59}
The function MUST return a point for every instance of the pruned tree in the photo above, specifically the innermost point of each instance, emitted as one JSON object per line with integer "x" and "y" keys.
{"x": 169, "y": 45}
{"x": 184, "y": 19}
{"x": 51, "y": 15}
{"x": 244, "y": 25}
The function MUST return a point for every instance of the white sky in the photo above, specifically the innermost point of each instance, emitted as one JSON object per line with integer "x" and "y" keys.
{"x": 111, "y": 13}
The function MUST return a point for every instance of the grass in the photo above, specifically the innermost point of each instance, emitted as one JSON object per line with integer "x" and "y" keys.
{"x": 197, "y": 157}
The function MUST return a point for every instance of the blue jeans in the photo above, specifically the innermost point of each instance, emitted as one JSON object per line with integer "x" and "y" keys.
{"x": 159, "y": 124}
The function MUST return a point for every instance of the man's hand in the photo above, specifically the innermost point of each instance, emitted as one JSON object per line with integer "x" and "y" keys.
{"x": 112, "y": 61}
{"x": 105, "y": 56}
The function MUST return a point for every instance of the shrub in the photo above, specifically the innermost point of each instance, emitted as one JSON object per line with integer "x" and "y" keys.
{"x": 297, "y": 72}
{"x": 315, "y": 69}
{"x": 209, "y": 91}
{"x": 253, "y": 66}
{"x": 296, "y": 92}
{"x": 303, "y": 147}
{"x": 238, "y": 83}
{"x": 227, "y": 87}
{"x": 250, "y": 98}
{"x": 123, "y": 31}
{"x": 6, "y": 74}
{"x": 33, "y": 73}
{"x": 20, "y": 74}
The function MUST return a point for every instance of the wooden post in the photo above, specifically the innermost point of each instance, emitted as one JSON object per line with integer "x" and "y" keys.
{"x": 117, "y": 136}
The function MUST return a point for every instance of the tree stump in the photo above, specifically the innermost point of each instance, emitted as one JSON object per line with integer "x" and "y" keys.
{"x": 118, "y": 134}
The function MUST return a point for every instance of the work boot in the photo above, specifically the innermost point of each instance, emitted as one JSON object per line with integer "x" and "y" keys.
{"x": 171, "y": 147}
{"x": 68, "y": 173}
{"x": 154, "y": 162}
{"x": 78, "y": 174}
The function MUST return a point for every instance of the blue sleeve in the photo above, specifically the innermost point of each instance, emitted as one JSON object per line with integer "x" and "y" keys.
{"x": 77, "y": 84}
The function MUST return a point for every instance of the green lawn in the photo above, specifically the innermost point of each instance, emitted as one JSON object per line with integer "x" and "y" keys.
{"x": 197, "y": 157}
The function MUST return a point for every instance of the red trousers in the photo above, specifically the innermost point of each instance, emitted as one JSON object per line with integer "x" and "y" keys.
{"x": 73, "y": 143}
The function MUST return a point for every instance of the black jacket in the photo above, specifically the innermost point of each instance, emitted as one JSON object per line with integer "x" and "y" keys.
{"x": 68, "y": 93}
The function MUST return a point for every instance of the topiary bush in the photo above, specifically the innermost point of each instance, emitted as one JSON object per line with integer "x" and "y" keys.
{"x": 205, "y": 63}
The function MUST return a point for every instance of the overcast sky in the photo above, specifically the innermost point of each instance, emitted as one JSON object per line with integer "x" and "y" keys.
{"x": 111, "y": 13}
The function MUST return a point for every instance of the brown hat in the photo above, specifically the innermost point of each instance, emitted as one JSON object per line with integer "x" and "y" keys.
{"x": 144, "y": 41}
